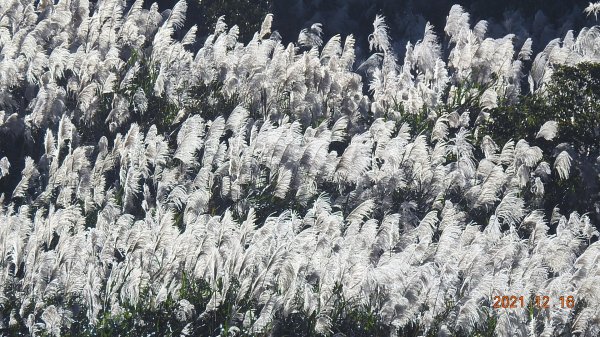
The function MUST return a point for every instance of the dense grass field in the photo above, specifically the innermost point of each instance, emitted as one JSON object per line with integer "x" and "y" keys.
{"x": 164, "y": 177}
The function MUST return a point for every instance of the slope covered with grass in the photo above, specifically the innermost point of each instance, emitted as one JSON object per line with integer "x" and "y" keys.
{"x": 152, "y": 187}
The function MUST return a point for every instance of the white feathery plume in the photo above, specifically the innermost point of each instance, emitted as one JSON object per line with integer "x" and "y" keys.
{"x": 190, "y": 37}
{"x": 526, "y": 50}
{"x": 332, "y": 49}
{"x": 189, "y": 139}
{"x": 380, "y": 40}
{"x": 348, "y": 56}
{"x": 593, "y": 8}
{"x": 548, "y": 131}
{"x": 355, "y": 160}
{"x": 511, "y": 209}
{"x": 311, "y": 37}
{"x": 4, "y": 167}
{"x": 562, "y": 164}
{"x": 480, "y": 29}
{"x": 338, "y": 131}
{"x": 65, "y": 132}
{"x": 29, "y": 172}
{"x": 238, "y": 120}
{"x": 489, "y": 148}
{"x": 176, "y": 19}
{"x": 157, "y": 150}
{"x": 284, "y": 178}
{"x": 457, "y": 22}
{"x": 361, "y": 211}
{"x": 440, "y": 129}
{"x": 265, "y": 27}
{"x": 140, "y": 101}
{"x": 212, "y": 142}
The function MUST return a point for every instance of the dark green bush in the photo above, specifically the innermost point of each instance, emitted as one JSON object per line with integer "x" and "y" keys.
{"x": 572, "y": 99}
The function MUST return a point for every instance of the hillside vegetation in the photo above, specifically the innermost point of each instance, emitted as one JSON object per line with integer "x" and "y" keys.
{"x": 153, "y": 185}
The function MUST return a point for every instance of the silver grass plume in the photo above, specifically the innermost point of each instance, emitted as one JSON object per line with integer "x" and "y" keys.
{"x": 548, "y": 131}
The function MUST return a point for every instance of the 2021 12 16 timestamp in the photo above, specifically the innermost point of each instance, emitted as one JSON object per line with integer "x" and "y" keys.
{"x": 537, "y": 301}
